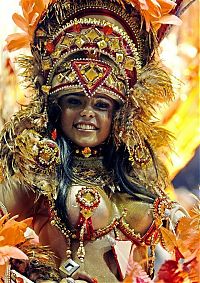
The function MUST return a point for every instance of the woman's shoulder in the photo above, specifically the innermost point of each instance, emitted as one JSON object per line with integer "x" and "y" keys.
{"x": 145, "y": 215}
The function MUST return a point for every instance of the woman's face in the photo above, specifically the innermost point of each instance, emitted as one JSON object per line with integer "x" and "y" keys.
{"x": 86, "y": 121}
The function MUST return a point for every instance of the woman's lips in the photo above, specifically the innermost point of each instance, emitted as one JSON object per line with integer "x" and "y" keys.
{"x": 85, "y": 127}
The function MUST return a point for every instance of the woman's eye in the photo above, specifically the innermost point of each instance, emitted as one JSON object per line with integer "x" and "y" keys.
{"x": 102, "y": 105}
{"x": 73, "y": 101}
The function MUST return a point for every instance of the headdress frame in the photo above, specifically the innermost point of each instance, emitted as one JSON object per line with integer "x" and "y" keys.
{"x": 104, "y": 33}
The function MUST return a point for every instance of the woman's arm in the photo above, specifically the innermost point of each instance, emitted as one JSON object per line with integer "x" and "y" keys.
{"x": 16, "y": 199}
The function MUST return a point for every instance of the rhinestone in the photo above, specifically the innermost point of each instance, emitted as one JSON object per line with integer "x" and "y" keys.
{"x": 46, "y": 64}
{"x": 46, "y": 88}
{"x": 107, "y": 30}
{"x": 71, "y": 77}
{"x": 92, "y": 34}
{"x": 56, "y": 54}
{"x": 77, "y": 28}
{"x": 50, "y": 47}
{"x": 69, "y": 267}
{"x": 129, "y": 63}
{"x": 115, "y": 44}
{"x": 67, "y": 41}
{"x": 119, "y": 57}
{"x": 91, "y": 74}
{"x": 79, "y": 42}
{"x": 60, "y": 77}
{"x": 102, "y": 44}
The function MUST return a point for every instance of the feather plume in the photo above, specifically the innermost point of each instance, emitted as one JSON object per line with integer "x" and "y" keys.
{"x": 155, "y": 12}
{"x": 32, "y": 11}
{"x": 153, "y": 87}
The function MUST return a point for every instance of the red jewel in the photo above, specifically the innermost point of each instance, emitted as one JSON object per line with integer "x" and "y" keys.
{"x": 19, "y": 280}
{"x": 77, "y": 28}
{"x": 107, "y": 30}
{"x": 54, "y": 134}
{"x": 50, "y": 47}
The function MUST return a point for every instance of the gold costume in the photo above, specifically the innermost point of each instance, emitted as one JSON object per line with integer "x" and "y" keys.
{"x": 86, "y": 48}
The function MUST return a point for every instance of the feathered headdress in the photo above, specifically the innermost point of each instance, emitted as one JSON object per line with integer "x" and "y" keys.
{"x": 89, "y": 46}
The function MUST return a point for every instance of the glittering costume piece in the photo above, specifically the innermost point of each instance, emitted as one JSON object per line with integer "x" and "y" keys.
{"x": 93, "y": 47}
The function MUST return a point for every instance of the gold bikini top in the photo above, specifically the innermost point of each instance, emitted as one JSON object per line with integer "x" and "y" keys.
{"x": 93, "y": 215}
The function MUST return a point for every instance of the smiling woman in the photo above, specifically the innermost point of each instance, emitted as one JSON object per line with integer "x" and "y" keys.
{"x": 86, "y": 121}
{"x": 83, "y": 159}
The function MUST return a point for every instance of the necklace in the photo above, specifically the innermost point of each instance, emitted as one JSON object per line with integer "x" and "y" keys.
{"x": 87, "y": 152}
{"x": 91, "y": 171}
{"x": 88, "y": 200}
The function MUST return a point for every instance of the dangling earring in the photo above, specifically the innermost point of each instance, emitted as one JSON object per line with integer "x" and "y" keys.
{"x": 54, "y": 134}
{"x": 139, "y": 154}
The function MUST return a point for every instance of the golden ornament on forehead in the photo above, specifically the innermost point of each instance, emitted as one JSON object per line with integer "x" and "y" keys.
{"x": 91, "y": 73}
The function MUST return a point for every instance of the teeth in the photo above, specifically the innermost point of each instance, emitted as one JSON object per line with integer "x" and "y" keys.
{"x": 85, "y": 127}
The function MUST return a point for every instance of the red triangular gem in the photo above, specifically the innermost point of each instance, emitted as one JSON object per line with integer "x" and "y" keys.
{"x": 91, "y": 74}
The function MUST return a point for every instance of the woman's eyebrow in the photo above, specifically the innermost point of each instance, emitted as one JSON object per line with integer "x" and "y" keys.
{"x": 104, "y": 97}
{"x": 80, "y": 94}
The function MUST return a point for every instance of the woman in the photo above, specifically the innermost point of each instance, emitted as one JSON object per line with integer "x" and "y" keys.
{"x": 83, "y": 157}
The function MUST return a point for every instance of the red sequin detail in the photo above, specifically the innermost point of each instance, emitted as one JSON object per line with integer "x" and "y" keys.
{"x": 54, "y": 134}
{"x": 19, "y": 280}
{"x": 50, "y": 47}
{"x": 77, "y": 28}
{"x": 107, "y": 30}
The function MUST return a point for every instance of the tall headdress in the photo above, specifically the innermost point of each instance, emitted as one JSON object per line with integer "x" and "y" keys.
{"x": 91, "y": 46}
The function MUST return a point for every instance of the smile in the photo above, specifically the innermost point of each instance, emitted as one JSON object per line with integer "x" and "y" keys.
{"x": 85, "y": 127}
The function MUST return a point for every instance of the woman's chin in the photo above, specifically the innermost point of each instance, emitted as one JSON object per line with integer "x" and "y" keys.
{"x": 87, "y": 142}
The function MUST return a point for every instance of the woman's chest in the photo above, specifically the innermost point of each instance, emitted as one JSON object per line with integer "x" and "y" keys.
{"x": 101, "y": 211}
{"x": 90, "y": 203}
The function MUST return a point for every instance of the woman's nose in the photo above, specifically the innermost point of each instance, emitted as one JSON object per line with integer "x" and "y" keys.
{"x": 87, "y": 111}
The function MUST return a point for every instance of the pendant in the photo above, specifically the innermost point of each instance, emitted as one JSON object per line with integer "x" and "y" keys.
{"x": 88, "y": 200}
